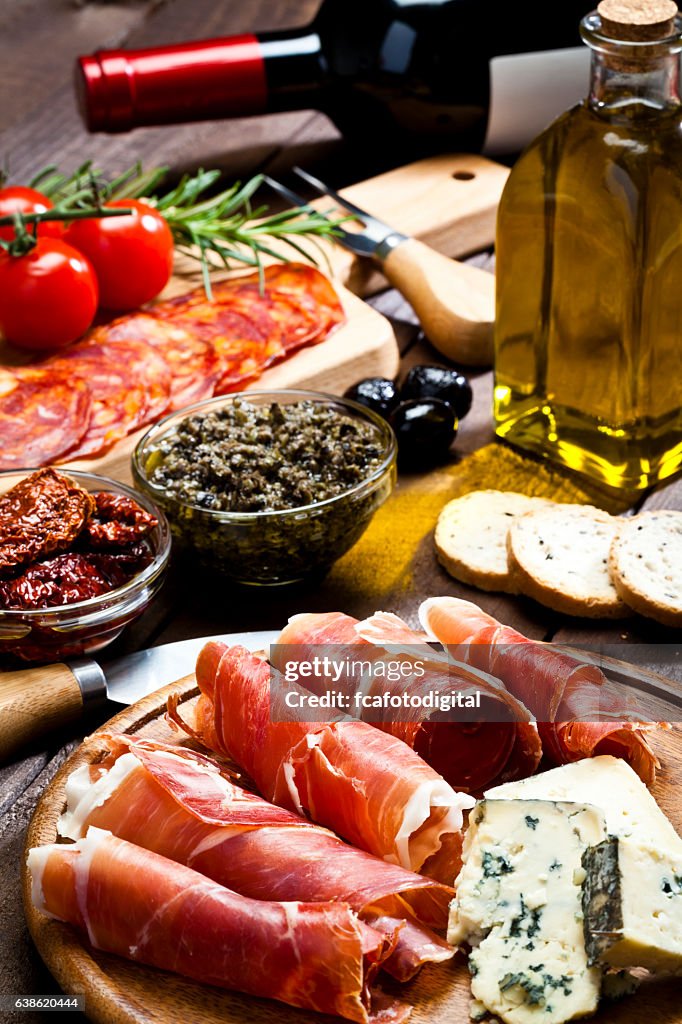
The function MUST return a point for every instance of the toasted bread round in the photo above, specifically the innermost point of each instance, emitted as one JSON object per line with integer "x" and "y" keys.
{"x": 471, "y": 536}
{"x": 645, "y": 563}
{"x": 559, "y": 556}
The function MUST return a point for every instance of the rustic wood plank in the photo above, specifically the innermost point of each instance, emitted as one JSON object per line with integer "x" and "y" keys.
{"x": 17, "y": 777}
{"x": 41, "y": 39}
{"x": 21, "y": 970}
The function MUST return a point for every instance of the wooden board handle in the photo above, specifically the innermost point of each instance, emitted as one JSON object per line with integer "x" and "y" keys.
{"x": 34, "y": 701}
{"x": 455, "y": 302}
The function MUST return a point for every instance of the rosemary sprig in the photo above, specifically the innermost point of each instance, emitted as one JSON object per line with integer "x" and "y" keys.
{"x": 88, "y": 183}
{"x": 217, "y": 229}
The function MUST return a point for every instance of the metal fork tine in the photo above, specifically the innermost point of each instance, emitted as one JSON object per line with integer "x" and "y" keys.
{"x": 324, "y": 190}
{"x": 358, "y": 242}
{"x": 289, "y": 194}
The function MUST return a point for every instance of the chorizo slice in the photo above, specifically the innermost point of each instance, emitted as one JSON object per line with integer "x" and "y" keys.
{"x": 41, "y": 416}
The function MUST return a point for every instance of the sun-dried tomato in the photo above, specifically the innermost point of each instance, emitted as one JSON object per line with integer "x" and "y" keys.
{"x": 39, "y": 516}
{"x": 61, "y": 580}
{"x": 117, "y": 522}
{"x": 120, "y": 566}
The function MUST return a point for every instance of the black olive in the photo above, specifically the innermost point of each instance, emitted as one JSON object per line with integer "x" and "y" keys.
{"x": 425, "y": 429}
{"x": 377, "y": 393}
{"x": 439, "y": 382}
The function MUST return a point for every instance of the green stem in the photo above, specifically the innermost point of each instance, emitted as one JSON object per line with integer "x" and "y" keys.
{"x": 38, "y": 218}
{"x": 23, "y": 240}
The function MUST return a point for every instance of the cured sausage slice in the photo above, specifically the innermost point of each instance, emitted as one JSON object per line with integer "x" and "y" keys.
{"x": 191, "y": 359}
{"x": 241, "y": 330}
{"x": 130, "y": 383}
{"x": 40, "y": 417}
{"x": 118, "y": 399}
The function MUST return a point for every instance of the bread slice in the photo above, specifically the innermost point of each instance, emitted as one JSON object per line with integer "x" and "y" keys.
{"x": 559, "y": 556}
{"x": 645, "y": 563}
{"x": 471, "y": 536}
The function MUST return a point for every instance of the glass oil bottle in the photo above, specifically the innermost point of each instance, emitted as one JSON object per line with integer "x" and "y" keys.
{"x": 588, "y": 349}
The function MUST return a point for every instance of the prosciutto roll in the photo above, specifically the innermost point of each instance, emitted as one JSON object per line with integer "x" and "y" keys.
{"x": 139, "y": 905}
{"x": 470, "y": 755}
{"x": 366, "y": 786}
{"x": 178, "y": 804}
{"x": 579, "y": 712}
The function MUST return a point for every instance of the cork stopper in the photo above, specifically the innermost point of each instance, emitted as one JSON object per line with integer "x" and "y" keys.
{"x": 638, "y": 21}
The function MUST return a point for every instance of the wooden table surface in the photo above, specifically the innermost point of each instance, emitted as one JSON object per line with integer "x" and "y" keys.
{"x": 39, "y": 125}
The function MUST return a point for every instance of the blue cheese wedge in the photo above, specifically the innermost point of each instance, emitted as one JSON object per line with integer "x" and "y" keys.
{"x": 632, "y": 905}
{"x": 608, "y": 783}
{"x": 519, "y": 907}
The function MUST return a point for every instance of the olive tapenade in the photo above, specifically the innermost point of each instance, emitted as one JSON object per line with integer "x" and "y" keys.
{"x": 261, "y": 458}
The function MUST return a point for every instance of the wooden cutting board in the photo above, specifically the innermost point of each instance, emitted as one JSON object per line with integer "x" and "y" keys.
{"x": 449, "y": 202}
{"x": 119, "y": 992}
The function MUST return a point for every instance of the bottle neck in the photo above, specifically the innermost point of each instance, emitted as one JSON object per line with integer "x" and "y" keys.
{"x": 294, "y": 68}
{"x": 633, "y": 79}
{"x": 622, "y": 90}
{"x": 212, "y": 78}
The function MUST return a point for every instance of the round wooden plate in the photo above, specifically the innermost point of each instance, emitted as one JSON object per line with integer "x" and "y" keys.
{"x": 118, "y": 991}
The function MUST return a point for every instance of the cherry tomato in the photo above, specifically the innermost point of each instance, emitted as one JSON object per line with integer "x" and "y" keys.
{"x": 18, "y": 199}
{"x": 48, "y": 297}
{"x": 132, "y": 256}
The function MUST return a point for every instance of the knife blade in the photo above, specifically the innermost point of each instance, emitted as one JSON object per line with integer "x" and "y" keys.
{"x": 34, "y": 701}
{"x": 132, "y": 677}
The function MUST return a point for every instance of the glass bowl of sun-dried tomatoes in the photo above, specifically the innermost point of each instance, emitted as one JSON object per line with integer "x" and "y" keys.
{"x": 81, "y": 556}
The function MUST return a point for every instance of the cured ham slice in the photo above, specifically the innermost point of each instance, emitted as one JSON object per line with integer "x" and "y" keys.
{"x": 319, "y": 956}
{"x": 366, "y": 786}
{"x": 177, "y": 803}
{"x": 579, "y": 712}
{"x": 468, "y": 754}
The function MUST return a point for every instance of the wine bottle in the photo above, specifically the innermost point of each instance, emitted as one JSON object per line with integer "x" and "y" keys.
{"x": 409, "y": 76}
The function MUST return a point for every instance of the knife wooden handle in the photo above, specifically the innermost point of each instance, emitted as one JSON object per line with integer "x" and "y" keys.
{"x": 455, "y": 302}
{"x": 34, "y": 701}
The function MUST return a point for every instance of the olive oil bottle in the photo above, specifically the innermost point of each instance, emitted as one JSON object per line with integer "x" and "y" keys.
{"x": 588, "y": 348}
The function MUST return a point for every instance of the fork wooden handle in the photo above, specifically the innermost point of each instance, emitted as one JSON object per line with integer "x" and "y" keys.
{"x": 455, "y": 302}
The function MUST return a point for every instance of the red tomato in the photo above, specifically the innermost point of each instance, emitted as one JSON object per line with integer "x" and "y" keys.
{"x": 48, "y": 297}
{"x": 132, "y": 256}
{"x": 17, "y": 199}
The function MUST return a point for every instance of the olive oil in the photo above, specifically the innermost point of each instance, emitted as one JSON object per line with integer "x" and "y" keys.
{"x": 588, "y": 355}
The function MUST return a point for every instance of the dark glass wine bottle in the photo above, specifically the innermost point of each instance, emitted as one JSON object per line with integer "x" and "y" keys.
{"x": 411, "y": 76}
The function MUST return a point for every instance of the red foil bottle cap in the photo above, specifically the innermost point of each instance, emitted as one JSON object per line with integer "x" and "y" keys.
{"x": 212, "y": 78}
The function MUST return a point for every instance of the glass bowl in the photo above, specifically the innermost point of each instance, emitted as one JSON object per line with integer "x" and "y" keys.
{"x": 272, "y": 547}
{"x": 72, "y": 630}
